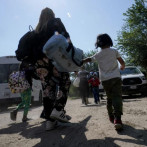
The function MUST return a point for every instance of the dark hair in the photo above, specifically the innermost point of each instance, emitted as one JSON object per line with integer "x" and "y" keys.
{"x": 103, "y": 40}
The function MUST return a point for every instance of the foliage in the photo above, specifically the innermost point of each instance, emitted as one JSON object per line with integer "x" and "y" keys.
{"x": 74, "y": 92}
{"x": 132, "y": 39}
{"x": 89, "y": 66}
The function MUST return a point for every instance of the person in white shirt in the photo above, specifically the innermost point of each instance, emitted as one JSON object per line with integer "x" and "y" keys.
{"x": 110, "y": 76}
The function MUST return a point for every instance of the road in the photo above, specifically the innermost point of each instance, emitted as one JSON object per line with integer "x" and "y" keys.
{"x": 89, "y": 127}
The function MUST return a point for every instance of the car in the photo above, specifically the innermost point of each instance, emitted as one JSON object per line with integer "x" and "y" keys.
{"x": 133, "y": 81}
{"x": 8, "y": 64}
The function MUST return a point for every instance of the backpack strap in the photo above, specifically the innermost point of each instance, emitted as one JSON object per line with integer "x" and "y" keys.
{"x": 71, "y": 47}
{"x": 30, "y": 28}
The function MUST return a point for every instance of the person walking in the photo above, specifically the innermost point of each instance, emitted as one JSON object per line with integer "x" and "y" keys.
{"x": 110, "y": 76}
{"x": 26, "y": 94}
{"x": 53, "y": 101}
{"x": 94, "y": 81}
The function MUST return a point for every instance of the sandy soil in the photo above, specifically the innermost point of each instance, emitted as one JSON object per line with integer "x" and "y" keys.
{"x": 89, "y": 127}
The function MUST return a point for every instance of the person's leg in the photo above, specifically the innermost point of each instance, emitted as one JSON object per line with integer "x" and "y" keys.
{"x": 48, "y": 105}
{"x": 87, "y": 93}
{"x": 98, "y": 94}
{"x": 22, "y": 101}
{"x": 48, "y": 99}
{"x": 117, "y": 98}
{"x": 82, "y": 95}
{"x": 107, "y": 86}
{"x": 27, "y": 100}
{"x": 44, "y": 70}
{"x": 64, "y": 86}
{"x": 84, "y": 98}
{"x": 13, "y": 114}
{"x": 117, "y": 103}
{"x": 114, "y": 95}
{"x": 95, "y": 94}
{"x": 58, "y": 111}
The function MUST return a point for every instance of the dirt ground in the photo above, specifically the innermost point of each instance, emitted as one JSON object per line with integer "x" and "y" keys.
{"x": 89, "y": 127}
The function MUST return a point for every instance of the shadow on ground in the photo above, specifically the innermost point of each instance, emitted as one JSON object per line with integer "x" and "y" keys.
{"x": 73, "y": 135}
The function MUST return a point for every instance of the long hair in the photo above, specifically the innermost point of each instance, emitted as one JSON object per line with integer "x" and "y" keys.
{"x": 46, "y": 15}
{"x": 103, "y": 40}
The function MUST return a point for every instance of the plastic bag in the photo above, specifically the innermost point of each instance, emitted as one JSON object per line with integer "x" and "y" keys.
{"x": 76, "y": 82}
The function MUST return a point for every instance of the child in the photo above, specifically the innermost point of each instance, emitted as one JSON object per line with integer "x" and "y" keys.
{"x": 110, "y": 76}
{"x": 94, "y": 81}
{"x": 26, "y": 94}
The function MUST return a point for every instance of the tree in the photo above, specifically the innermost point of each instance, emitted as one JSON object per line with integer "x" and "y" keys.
{"x": 92, "y": 66}
{"x": 132, "y": 39}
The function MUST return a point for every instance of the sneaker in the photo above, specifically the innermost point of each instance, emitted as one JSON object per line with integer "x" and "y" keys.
{"x": 67, "y": 116}
{"x": 50, "y": 125}
{"x": 13, "y": 115}
{"x": 118, "y": 124}
{"x": 59, "y": 115}
{"x": 24, "y": 119}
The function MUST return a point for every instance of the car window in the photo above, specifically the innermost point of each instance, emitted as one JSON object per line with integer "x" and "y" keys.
{"x": 130, "y": 71}
{"x": 6, "y": 70}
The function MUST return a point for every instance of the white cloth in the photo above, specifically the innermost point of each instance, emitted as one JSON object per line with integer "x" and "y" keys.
{"x": 107, "y": 62}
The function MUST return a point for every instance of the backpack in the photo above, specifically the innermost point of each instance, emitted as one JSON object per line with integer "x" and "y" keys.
{"x": 66, "y": 58}
{"x": 29, "y": 47}
{"x": 17, "y": 82}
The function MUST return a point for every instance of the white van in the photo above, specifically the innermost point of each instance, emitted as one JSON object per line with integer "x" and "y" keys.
{"x": 8, "y": 64}
{"x": 133, "y": 81}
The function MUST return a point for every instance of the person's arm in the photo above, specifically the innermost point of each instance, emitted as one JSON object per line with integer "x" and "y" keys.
{"x": 122, "y": 63}
{"x": 89, "y": 81}
{"x": 87, "y": 60}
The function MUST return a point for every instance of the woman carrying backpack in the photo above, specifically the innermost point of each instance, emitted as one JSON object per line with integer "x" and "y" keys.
{"x": 55, "y": 84}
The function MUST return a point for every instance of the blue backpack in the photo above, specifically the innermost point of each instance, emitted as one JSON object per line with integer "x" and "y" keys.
{"x": 66, "y": 58}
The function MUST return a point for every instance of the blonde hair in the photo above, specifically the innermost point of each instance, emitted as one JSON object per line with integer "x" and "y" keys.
{"x": 46, "y": 15}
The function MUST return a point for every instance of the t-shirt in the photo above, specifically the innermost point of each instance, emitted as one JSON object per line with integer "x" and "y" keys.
{"x": 107, "y": 62}
{"x": 94, "y": 82}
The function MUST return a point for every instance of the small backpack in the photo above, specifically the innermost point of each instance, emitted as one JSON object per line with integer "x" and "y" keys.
{"x": 29, "y": 47}
{"x": 66, "y": 58}
{"x": 17, "y": 82}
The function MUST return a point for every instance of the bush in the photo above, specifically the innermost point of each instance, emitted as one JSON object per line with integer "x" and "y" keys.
{"x": 74, "y": 91}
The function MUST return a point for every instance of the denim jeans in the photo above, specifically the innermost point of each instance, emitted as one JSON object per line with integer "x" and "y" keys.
{"x": 95, "y": 91}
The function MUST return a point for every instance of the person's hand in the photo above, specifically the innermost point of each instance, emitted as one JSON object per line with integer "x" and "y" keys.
{"x": 86, "y": 60}
{"x": 122, "y": 67}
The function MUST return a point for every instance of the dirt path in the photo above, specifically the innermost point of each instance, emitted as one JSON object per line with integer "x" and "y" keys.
{"x": 89, "y": 127}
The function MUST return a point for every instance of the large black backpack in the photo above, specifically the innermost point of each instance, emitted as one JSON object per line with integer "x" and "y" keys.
{"x": 30, "y": 47}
